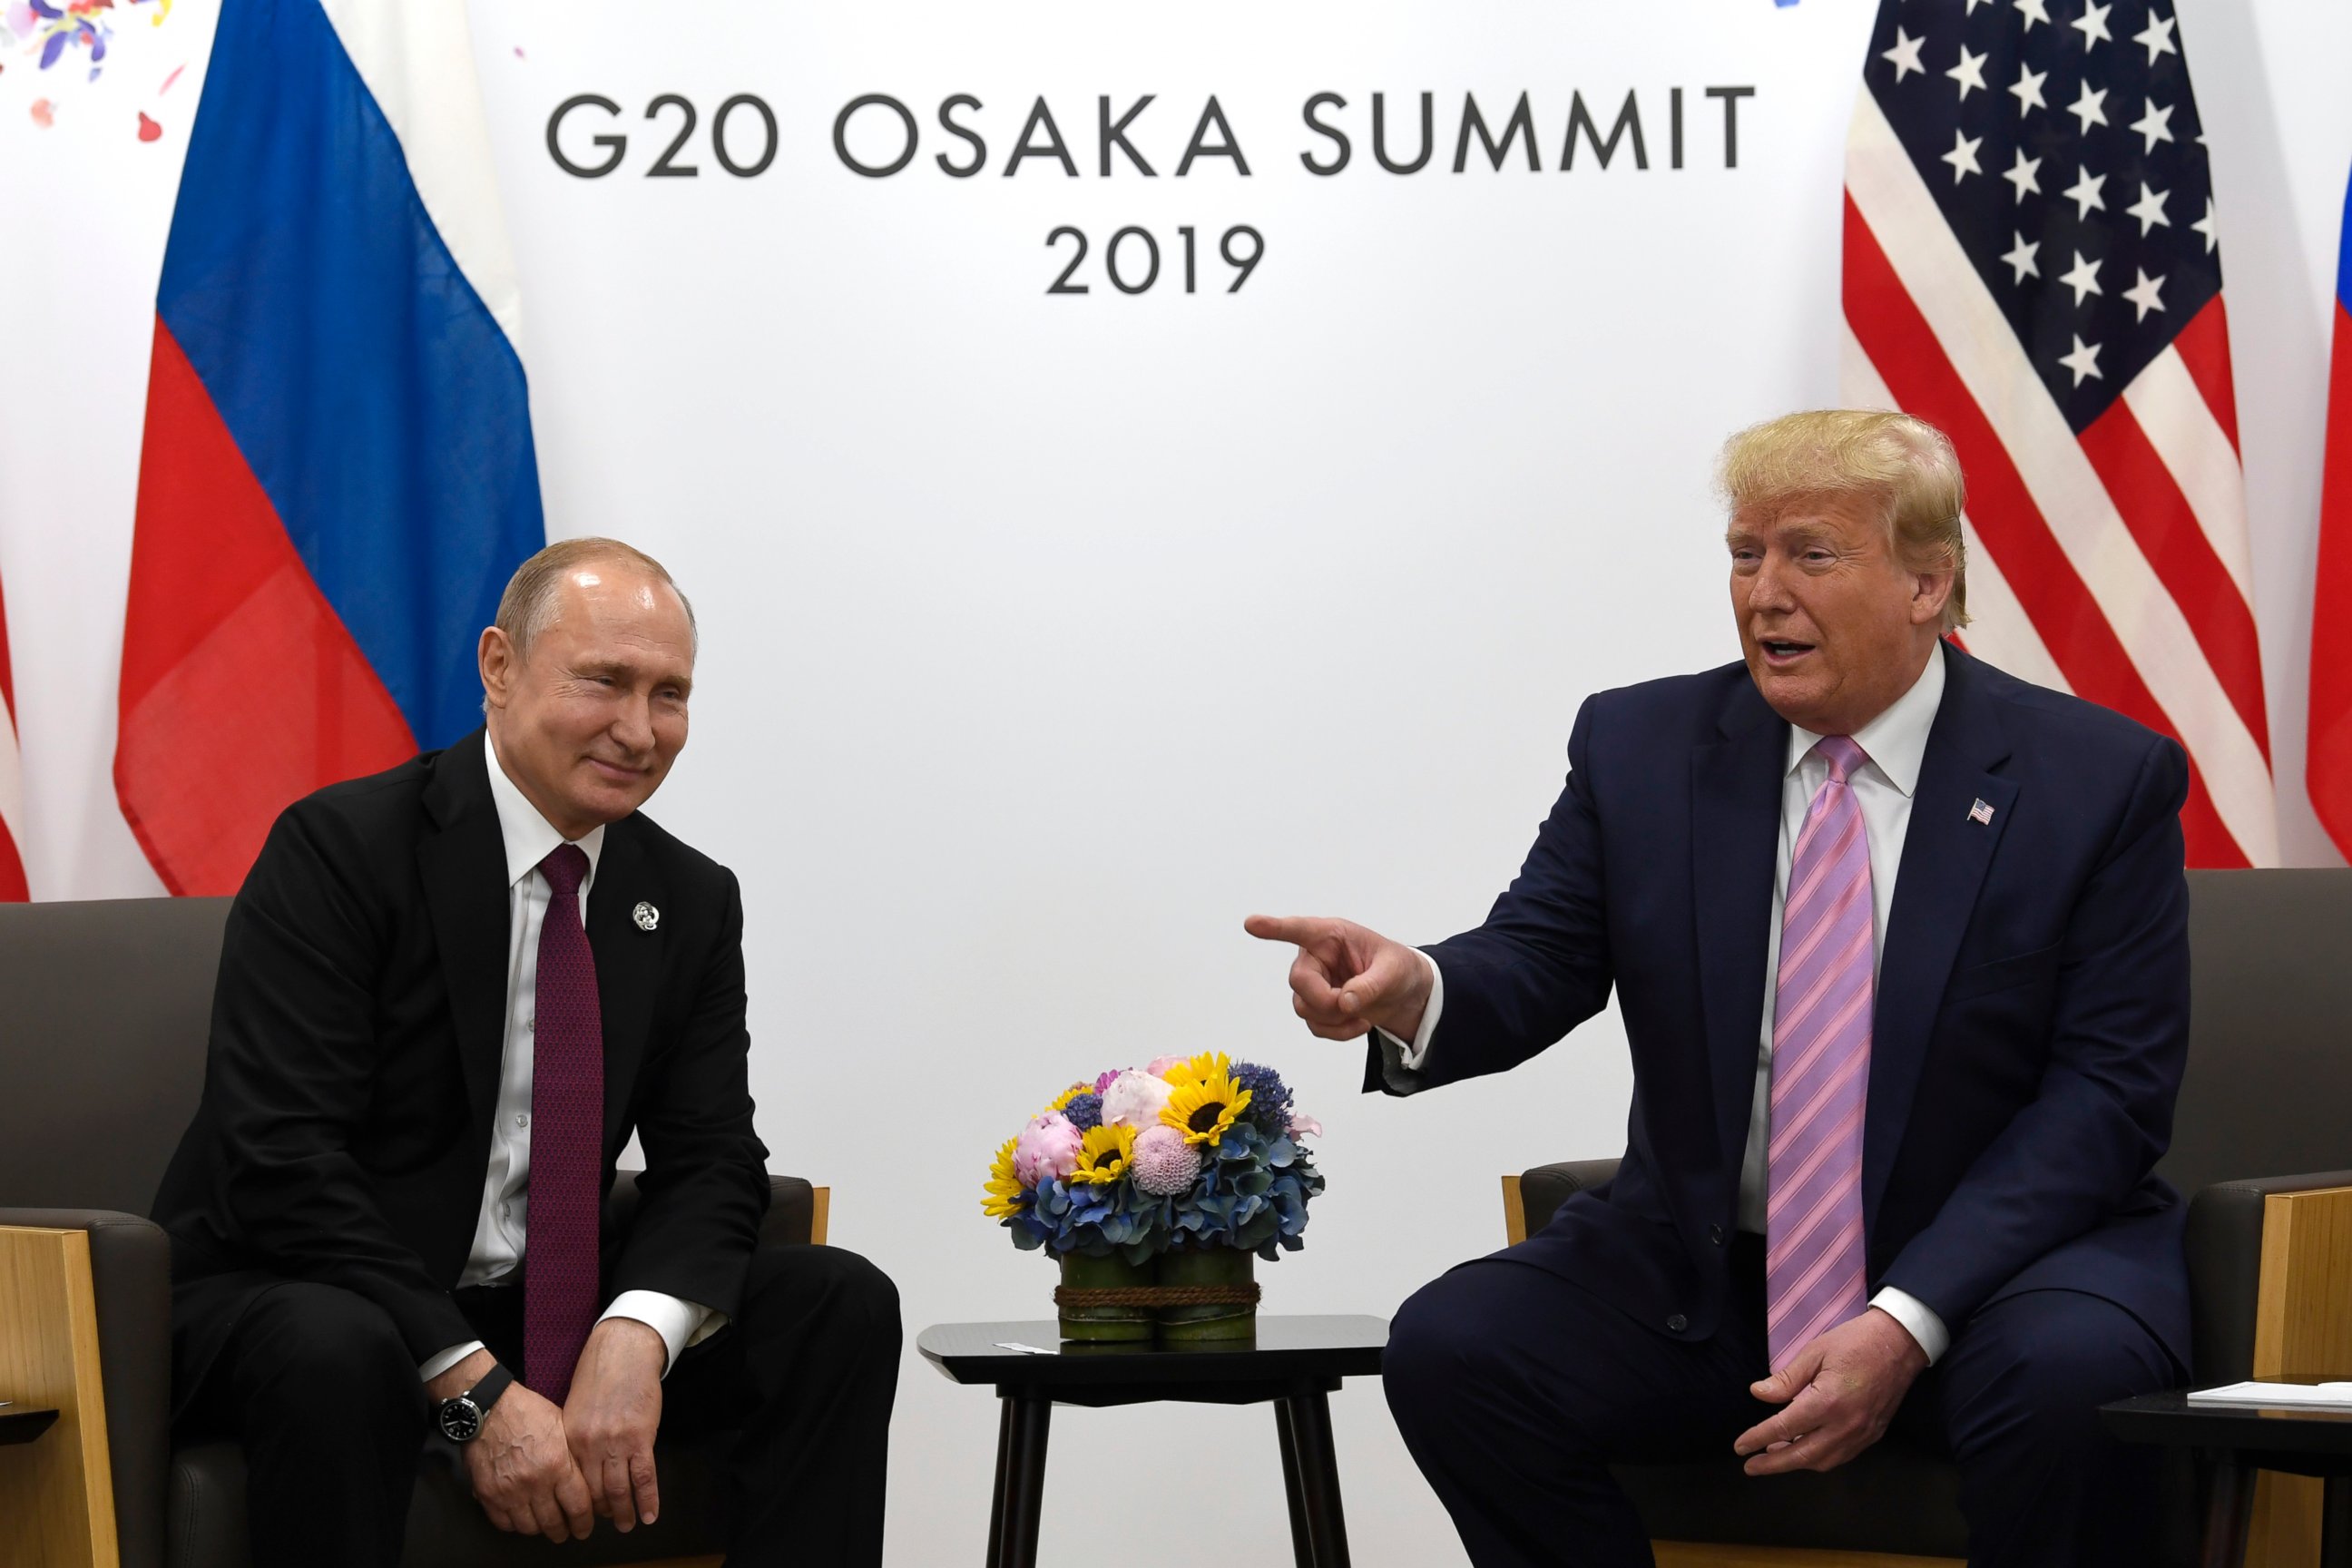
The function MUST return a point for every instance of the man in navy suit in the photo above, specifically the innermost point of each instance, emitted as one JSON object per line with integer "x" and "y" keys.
{"x": 1949, "y": 906}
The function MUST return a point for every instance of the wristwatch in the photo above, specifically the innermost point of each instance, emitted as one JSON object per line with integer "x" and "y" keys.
{"x": 460, "y": 1418}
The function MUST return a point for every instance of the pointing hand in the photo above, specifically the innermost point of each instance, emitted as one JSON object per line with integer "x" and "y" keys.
{"x": 1347, "y": 979}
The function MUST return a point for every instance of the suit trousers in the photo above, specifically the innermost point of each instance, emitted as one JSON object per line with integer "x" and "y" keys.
{"x": 1515, "y": 1390}
{"x": 316, "y": 1384}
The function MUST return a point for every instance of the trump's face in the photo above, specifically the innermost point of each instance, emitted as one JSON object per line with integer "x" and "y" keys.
{"x": 588, "y": 718}
{"x": 1833, "y": 628}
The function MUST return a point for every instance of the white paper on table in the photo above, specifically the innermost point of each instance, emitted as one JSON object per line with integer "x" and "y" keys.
{"x": 2293, "y": 1395}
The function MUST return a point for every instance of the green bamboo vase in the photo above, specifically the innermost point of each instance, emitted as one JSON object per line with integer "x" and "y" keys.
{"x": 1208, "y": 1265}
{"x": 1105, "y": 1324}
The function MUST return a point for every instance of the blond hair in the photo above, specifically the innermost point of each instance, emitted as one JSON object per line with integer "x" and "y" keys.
{"x": 528, "y": 606}
{"x": 1902, "y": 463}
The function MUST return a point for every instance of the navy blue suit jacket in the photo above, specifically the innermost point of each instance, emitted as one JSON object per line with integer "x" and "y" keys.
{"x": 2032, "y": 1007}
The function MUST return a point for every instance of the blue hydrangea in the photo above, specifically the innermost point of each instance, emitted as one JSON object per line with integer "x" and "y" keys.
{"x": 1085, "y": 1112}
{"x": 1269, "y": 1106}
{"x": 1251, "y": 1194}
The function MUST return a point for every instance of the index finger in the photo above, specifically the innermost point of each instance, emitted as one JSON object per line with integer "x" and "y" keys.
{"x": 1296, "y": 929}
{"x": 1783, "y": 1426}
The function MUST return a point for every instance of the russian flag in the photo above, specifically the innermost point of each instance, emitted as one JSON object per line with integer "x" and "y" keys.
{"x": 338, "y": 474}
{"x": 2327, "y": 769}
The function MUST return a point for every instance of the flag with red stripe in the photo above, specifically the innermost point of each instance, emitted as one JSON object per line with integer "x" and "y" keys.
{"x": 2328, "y": 768}
{"x": 13, "y": 888}
{"x": 2032, "y": 266}
{"x": 338, "y": 474}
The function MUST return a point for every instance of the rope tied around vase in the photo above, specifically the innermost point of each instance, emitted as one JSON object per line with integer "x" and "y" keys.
{"x": 1245, "y": 1295}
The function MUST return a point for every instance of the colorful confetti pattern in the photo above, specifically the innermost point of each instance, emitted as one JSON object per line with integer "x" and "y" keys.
{"x": 72, "y": 39}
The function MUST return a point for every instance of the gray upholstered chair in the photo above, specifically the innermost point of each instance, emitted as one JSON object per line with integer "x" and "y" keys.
{"x": 2269, "y": 1078}
{"x": 107, "y": 1007}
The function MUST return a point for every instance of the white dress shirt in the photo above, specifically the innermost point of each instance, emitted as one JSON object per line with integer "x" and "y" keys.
{"x": 1895, "y": 743}
{"x": 506, "y": 1188}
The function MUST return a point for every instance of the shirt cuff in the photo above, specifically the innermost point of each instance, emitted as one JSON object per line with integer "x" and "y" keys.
{"x": 1922, "y": 1324}
{"x": 448, "y": 1359}
{"x": 679, "y": 1323}
{"x": 1410, "y": 1054}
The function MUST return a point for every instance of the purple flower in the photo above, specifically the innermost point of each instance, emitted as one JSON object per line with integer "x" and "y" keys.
{"x": 1085, "y": 1112}
{"x": 1269, "y": 1106}
{"x": 1165, "y": 1164}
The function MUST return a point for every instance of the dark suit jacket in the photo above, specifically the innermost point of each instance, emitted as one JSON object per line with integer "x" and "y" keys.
{"x": 343, "y": 1136}
{"x": 2032, "y": 1019}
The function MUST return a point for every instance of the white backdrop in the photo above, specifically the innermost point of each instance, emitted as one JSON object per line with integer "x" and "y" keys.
{"x": 1044, "y": 638}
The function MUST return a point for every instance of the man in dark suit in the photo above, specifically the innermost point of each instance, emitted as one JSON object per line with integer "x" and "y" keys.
{"x": 448, "y": 997}
{"x": 1900, "y": 947}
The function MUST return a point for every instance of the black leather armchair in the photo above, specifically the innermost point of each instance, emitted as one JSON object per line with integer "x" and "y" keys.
{"x": 108, "y": 1005}
{"x": 2269, "y": 1077}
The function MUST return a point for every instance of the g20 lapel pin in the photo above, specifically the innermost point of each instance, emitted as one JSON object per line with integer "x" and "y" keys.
{"x": 647, "y": 916}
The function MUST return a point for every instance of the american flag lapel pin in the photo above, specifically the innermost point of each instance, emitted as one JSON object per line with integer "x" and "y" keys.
{"x": 1981, "y": 812}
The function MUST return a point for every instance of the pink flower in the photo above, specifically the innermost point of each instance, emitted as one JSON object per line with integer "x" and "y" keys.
{"x": 1047, "y": 1150}
{"x": 1103, "y": 1083}
{"x": 1160, "y": 1065}
{"x": 1165, "y": 1164}
{"x": 1305, "y": 1126}
{"x": 1134, "y": 1100}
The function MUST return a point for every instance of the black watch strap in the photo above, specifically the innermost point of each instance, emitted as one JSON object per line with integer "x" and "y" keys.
{"x": 486, "y": 1393}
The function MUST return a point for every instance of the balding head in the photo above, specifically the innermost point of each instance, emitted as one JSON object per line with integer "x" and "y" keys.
{"x": 529, "y": 602}
{"x": 586, "y": 675}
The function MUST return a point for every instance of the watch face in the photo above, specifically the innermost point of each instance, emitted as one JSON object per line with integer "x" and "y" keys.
{"x": 461, "y": 1419}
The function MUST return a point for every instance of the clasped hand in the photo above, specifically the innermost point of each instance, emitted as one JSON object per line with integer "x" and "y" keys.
{"x": 1841, "y": 1391}
{"x": 538, "y": 1470}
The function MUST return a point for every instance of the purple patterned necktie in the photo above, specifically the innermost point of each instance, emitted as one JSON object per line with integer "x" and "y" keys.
{"x": 567, "y": 1131}
{"x": 1813, "y": 1267}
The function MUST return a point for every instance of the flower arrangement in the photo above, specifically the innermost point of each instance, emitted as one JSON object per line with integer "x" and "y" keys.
{"x": 1186, "y": 1154}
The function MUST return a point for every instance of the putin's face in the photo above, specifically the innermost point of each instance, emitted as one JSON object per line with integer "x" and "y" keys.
{"x": 1833, "y": 628}
{"x": 589, "y": 717}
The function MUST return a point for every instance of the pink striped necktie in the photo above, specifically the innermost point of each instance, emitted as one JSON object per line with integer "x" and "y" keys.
{"x": 567, "y": 1136}
{"x": 1813, "y": 1264}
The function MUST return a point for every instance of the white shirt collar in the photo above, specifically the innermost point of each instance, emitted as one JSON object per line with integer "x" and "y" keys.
{"x": 1897, "y": 740}
{"x": 529, "y": 837}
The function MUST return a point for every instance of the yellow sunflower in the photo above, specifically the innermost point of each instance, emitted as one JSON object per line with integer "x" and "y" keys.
{"x": 1003, "y": 1186}
{"x": 1104, "y": 1155}
{"x": 1203, "y": 1107}
{"x": 1062, "y": 1100}
{"x": 1198, "y": 1069}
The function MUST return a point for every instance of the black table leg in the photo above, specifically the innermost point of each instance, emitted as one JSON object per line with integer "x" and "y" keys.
{"x": 2336, "y": 1524}
{"x": 996, "y": 1495}
{"x": 1309, "y": 1416}
{"x": 2229, "y": 1513}
{"x": 1302, "y": 1544}
{"x": 1020, "y": 1480}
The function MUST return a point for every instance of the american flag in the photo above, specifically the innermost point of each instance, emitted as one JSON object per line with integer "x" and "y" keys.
{"x": 12, "y": 782}
{"x": 2032, "y": 266}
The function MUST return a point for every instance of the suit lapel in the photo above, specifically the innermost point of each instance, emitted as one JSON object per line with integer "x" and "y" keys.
{"x": 1945, "y": 852}
{"x": 462, "y": 859}
{"x": 628, "y": 961}
{"x": 1735, "y": 840}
